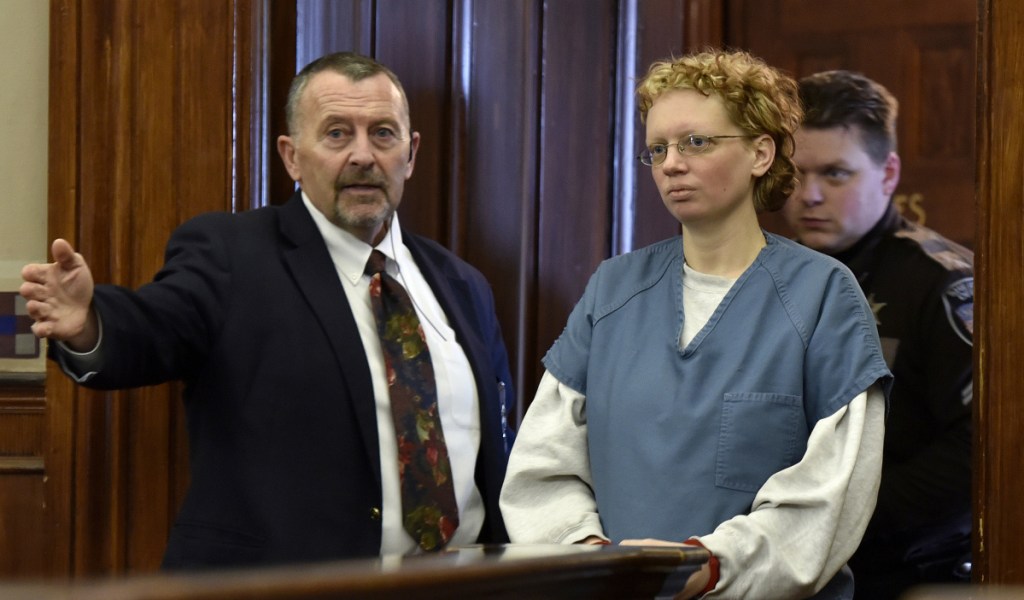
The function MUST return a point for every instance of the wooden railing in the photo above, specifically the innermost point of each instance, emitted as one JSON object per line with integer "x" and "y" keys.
{"x": 510, "y": 571}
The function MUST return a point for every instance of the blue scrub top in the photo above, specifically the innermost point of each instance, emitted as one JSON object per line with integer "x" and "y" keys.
{"x": 681, "y": 439}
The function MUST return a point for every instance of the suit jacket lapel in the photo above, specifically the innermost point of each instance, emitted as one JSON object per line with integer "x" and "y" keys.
{"x": 456, "y": 297}
{"x": 453, "y": 293}
{"x": 316, "y": 277}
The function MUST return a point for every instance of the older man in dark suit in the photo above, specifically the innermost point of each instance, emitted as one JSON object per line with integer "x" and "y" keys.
{"x": 273, "y": 320}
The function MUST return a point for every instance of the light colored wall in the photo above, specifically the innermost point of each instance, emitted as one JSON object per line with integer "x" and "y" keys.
{"x": 24, "y": 85}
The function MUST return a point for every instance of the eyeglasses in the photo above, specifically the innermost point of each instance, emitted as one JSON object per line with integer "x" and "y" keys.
{"x": 689, "y": 145}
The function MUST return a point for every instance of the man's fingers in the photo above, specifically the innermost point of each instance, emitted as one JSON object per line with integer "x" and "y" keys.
{"x": 34, "y": 273}
{"x": 28, "y": 289}
{"x": 42, "y": 329}
{"x": 34, "y": 291}
{"x": 38, "y": 310}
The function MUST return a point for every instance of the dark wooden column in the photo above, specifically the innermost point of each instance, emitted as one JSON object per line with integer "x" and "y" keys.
{"x": 999, "y": 308}
{"x": 154, "y": 117}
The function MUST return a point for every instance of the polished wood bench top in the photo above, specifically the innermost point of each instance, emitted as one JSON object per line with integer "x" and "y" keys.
{"x": 491, "y": 571}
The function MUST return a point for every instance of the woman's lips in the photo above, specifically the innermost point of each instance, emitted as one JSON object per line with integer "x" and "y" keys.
{"x": 680, "y": 193}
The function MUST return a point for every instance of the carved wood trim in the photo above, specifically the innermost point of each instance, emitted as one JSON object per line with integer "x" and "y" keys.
{"x": 150, "y": 113}
{"x": 22, "y": 465}
{"x": 999, "y": 273}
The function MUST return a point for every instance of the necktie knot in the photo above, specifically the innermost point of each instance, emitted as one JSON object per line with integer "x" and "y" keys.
{"x": 376, "y": 263}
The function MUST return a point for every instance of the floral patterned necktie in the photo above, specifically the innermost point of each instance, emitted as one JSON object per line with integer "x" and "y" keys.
{"x": 429, "y": 511}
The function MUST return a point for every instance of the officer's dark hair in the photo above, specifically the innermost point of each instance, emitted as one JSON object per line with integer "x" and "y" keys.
{"x": 846, "y": 99}
{"x": 354, "y": 66}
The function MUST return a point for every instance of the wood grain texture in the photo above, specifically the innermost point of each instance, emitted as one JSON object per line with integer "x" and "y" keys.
{"x": 25, "y": 523}
{"x": 412, "y": 38}
{"x": 143, "y": 136}
{"x": 505, "y": 572}
{"x": 999, "y": 314}
{"x": 663, "y": 30}
{"x": 498, "y": 87}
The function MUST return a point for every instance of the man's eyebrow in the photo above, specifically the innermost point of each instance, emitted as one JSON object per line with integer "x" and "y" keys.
{"x": 386, "y": 121}
{"x": 331, "y": 119}
{"x": 835, "y": 164}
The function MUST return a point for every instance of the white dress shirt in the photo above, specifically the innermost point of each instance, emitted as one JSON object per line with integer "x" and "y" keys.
{"x": 456, "y": 389}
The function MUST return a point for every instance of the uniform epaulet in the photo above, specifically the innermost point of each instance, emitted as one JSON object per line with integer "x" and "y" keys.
{"x": 949, "y": 254}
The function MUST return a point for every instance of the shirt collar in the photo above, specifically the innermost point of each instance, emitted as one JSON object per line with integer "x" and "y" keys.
{"x": 350, "y": 253}
{"x": 864, "y": 248}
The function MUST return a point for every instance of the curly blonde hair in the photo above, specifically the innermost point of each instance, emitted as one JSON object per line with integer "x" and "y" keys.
{"x": 758, "y": 98}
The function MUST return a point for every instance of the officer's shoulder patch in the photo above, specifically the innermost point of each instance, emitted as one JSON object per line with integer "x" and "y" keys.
{"x": 958, "y": 300}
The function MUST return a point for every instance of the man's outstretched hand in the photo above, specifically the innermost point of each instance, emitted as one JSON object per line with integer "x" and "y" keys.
{"x": 59, "y": 296}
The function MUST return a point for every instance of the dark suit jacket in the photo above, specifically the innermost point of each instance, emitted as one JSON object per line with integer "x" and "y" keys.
{"x": 249, "y": 311}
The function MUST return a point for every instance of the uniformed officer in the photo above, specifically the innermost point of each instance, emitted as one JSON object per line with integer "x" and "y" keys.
{"x": 921, "y": 290}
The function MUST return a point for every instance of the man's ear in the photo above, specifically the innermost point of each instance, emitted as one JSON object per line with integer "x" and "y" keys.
{"x": 764, "y": 154}
{"x": 414, "y": 146}
{"x": 892, "y": 173}
{"x": 286, "y": 148}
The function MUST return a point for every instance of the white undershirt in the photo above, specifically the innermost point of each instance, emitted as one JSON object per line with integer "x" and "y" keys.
{"x": 456, "y": 388}
{"x": 703, "y": 295}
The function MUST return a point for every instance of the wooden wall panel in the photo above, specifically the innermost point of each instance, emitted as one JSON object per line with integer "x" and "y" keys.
{"x": 660, "y": 34}
{"x": 22, "y": 429}
{"x": 276, "y": 52}
{"x": 999, "y": 340}
{"x": 574, "y": 218}
{"x": 169, "y": 157}
{"x": 648, "y": 31}
{"x": 143, "y": 136}
{"x": 63, "y": 186}
{"x": 100, "y": 108}
{"x": 413, "y": 41}
{"x": 496, "y": 87}
{"x": 838, "y": 16}
{"x": 326, "y": 26}
{"x": 25, "y": 524}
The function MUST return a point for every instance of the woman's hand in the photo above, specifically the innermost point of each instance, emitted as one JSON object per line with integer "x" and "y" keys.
{"x": 694, "y": 584}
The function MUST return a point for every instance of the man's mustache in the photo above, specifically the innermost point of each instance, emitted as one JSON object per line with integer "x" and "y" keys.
{"x": 360, "y": 179}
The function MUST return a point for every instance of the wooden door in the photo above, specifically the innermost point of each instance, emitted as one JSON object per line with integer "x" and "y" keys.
{"x": 150, "y": 106}
{"x": 923, "y": 51}
{"x": 999, "y": 310}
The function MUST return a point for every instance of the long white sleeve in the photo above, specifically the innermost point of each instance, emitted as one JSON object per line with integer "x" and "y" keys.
{"x": 805, "y": 523}
{"x": 547, "y": 496}
{"x": 807, "y": 520}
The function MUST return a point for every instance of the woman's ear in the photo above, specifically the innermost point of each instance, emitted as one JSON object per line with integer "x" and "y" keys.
{"x": 764, "y": 154}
